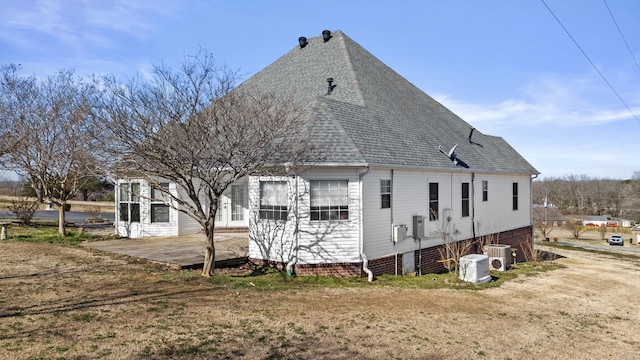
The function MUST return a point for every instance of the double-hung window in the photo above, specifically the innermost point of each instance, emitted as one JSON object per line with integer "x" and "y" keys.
{"x": 465, "y": 199}
{"x": 329, "y": 199}
{"x": 433, "y": 201}
{"x": 130, "y": 202}
{"x": 485, "y": 190}
{"x": 385, "y": 194}
{"x": 160, "y": 203}
{"x": 515, "y": 196}
{"x": 273, "y": 200}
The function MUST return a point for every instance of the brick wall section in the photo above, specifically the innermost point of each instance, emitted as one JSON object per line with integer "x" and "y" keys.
{"x": 393, "y": 265}
{"x": 330, "y": 269}
{"x": 231, "y": 230}
{"x": 386, "y": 265}
{"x": 515, "y": 239}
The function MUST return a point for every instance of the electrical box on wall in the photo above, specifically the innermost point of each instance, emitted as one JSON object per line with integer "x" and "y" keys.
{"x": 399, "y": 233}
{"x": 418, "y": 226}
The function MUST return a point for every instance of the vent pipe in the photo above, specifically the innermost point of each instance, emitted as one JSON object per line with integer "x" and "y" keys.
{"x": 326, "y": 35}
{"x": 303, "y": 41}
{"x": 330, "y": 86}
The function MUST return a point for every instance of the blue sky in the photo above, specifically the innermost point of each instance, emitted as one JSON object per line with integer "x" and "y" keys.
{"x": 506, "y": 67}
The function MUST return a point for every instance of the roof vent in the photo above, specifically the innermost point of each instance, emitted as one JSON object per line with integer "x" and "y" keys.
{"x": 326, "y": 35}
{"x": 303, "y": 41}
{"x": 330, "y": 86}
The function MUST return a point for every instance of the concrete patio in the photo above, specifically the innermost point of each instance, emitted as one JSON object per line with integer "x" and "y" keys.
{"x": 179, "y": 252}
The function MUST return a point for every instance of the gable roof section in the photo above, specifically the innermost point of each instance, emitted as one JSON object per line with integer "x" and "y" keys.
{"x": 374, "y": 116}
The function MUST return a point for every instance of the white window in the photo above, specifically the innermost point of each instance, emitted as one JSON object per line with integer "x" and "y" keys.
{"x": 273, "y": 200}
{"x": 130, "y": 202}
{"x": 329, "y": 199}
{"x": 485, "y": 190}
{"x": 385, "y": 194}
{"x": 237, "y": 202}
{"x": 159, "y": 204}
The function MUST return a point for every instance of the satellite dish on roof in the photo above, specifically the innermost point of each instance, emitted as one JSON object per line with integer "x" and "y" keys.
{"x": 452, "y": 156}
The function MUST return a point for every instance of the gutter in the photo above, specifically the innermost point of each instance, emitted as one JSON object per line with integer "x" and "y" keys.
{"x": 365, "y": 261}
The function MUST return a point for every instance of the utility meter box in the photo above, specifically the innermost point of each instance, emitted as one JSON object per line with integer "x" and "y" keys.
{"x": 418, "y": 226}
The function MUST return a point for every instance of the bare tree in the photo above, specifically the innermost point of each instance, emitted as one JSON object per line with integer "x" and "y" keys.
{"x": 543, "y": 219}
{"x": 189, "y": 127}
{"x": 575, "y": 227}
{"x": 47, "y": 133}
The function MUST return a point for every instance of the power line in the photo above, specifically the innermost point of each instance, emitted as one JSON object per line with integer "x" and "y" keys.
{"x": 591, "y": 62}
{"x": 622, "y": 35}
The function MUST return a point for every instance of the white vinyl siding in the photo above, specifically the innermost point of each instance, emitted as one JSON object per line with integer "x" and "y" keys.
{"x": 318, "y": 241}
{"x": 411, "y": 197}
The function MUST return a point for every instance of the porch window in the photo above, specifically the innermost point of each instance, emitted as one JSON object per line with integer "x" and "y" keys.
{"x": 433, "y": 201}
{"x": 465, "y": 199}
{"x": 515, "y": 196}
{"x": 385, "y": 194}
{"x": 485, "y": 190}
{"x": 329, "y": 200}
{"x": 273, "y": 200}
{"x": 237, "y": 202}
{"x": 130, "y": 202}
{"x": 159, "y": 204}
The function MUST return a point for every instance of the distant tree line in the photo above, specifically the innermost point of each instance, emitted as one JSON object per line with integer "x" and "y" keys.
{"x": 584, "y": 195}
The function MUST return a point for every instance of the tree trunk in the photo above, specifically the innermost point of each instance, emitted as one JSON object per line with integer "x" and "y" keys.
{"x": 210, "y": 253}
{"x": 61, "y": 221}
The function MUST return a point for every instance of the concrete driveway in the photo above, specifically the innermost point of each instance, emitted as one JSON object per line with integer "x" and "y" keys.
{"x": 180, "y": 252}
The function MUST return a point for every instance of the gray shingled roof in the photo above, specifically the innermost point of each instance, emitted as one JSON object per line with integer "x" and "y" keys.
{"x": 374, "y": 116}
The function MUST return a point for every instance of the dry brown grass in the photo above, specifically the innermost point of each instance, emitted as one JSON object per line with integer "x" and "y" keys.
{"x": 60, "y": 302}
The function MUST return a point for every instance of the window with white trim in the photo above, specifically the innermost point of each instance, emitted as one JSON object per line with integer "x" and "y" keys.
{"x": 433, "y": 201}
{"x": 329, "y": 199}
{"x": 273, "y": 200}
{"x": 130, "y": 202}
{"x": 160, "y": 204}
{"x": 465, "y": 199}
{"x": 385, "y": 194}
{"x": 485, "y": 190}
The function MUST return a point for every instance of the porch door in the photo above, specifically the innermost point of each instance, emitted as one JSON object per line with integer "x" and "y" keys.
{"x": 232, "y": 207}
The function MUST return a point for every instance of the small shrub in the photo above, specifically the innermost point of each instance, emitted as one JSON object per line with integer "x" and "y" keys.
{"x": 24, "y": 209}
{"x": 94, "y": 213}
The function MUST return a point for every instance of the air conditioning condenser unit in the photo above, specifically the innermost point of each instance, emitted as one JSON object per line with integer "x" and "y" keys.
{"x": 499, "y": 256}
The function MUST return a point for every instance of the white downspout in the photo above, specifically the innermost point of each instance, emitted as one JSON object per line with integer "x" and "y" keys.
{"x": 296, "y": 234}
{"x": 365, "y": 261}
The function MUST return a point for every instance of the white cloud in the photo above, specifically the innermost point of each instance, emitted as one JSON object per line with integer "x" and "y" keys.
{"x": 558, "y": 101}
{"x": 80, "y": 23}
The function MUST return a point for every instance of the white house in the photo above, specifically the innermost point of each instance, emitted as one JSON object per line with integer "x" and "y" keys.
{"x": 392, "y": 155}
{"x": 389, "y": 157}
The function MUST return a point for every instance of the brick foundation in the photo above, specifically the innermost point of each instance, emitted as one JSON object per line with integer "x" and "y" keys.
{"x": 231, "y": 230}
{"x": 427, "y": 258}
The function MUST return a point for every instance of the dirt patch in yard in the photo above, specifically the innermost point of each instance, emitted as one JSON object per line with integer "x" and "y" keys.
{"x": 59, "y": 302}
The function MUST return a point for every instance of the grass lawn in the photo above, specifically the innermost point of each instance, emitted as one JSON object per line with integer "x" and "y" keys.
{"x": 59, "y": 300}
